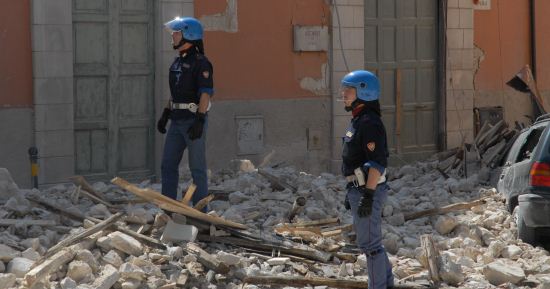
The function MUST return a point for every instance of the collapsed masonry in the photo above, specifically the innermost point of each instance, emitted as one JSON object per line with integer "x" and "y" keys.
{"x": 103, "y": 236}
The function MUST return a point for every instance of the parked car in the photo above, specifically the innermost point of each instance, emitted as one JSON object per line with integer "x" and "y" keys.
{"x": 525, "y": 180}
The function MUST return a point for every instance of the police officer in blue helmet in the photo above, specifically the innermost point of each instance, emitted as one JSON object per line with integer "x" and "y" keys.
{"x": 365, "y": 158}
{"x": 191, "y": 87}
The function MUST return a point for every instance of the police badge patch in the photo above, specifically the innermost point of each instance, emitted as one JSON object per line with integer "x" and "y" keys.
{"x": 371, "y": 146}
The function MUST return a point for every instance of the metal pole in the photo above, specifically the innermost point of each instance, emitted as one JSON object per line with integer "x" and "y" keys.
{"x": 33, "y": 155}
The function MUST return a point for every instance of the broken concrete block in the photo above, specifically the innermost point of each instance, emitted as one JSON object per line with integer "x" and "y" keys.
{"x": 7, "y": 253}
{"x": 387, "y": 211}
{"x": 245, "y": 166}
{"x": 189, "y": 258}
{"x": 396, "y": 219}
{"x": 130, "y": 284}
{"x": 237, "y": 197}
{"x": 7, "y": 280}
{"x": 126, "y": 244}
{"x": 131, "y": 271}
{"x": 450, "y": 272}
{"x": 174, "y": 232}
{"x": 18, "y": 204}
{"x": 19, "y": 266}
{"x": 87, "y": 257}
{"x": 175, "y": 252}
{"x": 67, "y": 283}
{"x": 149, "y": 268}
{"x": 229, "y": 259}
{"x": 30, "y": 254}
{"x": 486, "y": 236}
{"x": 512, "y": 252}
{"x": 498, "y": 273}
{"x": 106, "y": 243}
{"x": 445, "y": 224}
{"x": 113, "y": 258}
{"x": 99, "y": 211}
{"x": 315, "y": 213}
{"x": 138, "y": 215}
{"x": 496, "y": 248}
{"x": 8, "y": 187}
{"x": 156, "y": 282}
{"x": 108, "y": 277}
{"x": 80, "y": 272}
{"x": 278, "y": 261}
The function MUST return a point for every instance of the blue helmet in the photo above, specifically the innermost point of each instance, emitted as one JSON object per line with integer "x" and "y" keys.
{"x": 366, "y": 84}
{"x": 190, "y": 28}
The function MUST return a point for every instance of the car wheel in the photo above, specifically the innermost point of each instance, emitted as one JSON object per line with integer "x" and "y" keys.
{"x": 525, "y": 233}
{"x": 511, "y": 204}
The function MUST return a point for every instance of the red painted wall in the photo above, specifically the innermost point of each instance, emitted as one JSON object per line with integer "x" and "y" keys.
{"x": 542, "y": 30}
{"x": 258, "y": 61}
{"x": 503, "y": 34}
{"x": 15, "y": 54}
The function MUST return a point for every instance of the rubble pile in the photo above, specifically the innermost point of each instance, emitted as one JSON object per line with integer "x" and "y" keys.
{"x": 487, "y": 150}
{"x": 60, "y": 237}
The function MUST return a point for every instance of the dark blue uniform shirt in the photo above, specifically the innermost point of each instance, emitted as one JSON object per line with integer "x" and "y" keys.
{"x": 365, "y": 143}
{"x": 190, "y": 76}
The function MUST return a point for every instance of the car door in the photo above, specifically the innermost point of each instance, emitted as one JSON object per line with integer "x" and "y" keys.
{"x": 515, "y": 174}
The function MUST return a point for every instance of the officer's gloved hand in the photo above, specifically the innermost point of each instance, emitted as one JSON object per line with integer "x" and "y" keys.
{"x": 346, "y": 203}
{"x": 195, "y": 131}
{"x": 161, "y": 124}
{"x": 365, "y": 204}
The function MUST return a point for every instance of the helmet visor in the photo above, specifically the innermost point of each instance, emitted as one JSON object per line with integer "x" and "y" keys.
{"x": 347, "y": 92}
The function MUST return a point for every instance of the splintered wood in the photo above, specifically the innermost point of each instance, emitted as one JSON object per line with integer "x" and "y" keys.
{"x": 172, "y": 205}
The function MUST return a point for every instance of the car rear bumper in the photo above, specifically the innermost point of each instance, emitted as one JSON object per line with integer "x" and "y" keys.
{"x": 535, "y": 209}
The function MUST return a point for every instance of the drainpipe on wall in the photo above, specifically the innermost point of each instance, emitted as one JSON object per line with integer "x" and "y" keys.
{"x": 533, "y": 38}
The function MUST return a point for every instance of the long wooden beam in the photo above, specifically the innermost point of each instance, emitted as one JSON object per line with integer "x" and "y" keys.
{"x": 172, "y": 205}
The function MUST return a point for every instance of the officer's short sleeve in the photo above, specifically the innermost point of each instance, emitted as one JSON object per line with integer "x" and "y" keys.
{"x": 374, "y": 145}
{"x": 205, "y": 78}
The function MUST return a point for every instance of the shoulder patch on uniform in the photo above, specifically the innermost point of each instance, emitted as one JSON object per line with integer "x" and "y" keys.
{"x": 371, "y": 146}
{"x": 206, "y": 74}
{"x": 349, "y": 133}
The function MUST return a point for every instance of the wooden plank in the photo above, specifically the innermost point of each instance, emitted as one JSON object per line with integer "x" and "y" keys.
{"x": 432, "y": 254}
{"x": 49, "y": 204}
{"x": 96, "y": 199}
{"x": 49, "y": 266}
{"x": 292, "y": 230}
{"x": 206, "y": 259}
{"x": 328, "y": 221}
{"x": 81, "y": 181}
{"x": 298, "y": 249}
{"x": 297, "y": 207}
{"x": 24, "y": 222}
{"x": 146, "y": 239}
{"x": 276, "y": 183}
{"x": 398, "y": 110}
{"x": 298, "y": 281}
{"x": 78, "y": 237}
{"x": 337, "y": 231}
{"x": 171, "y": 205}
{"x": 204, "y": 202}
{"x": 445, "y": 209}
{"x": 189, "y": 194}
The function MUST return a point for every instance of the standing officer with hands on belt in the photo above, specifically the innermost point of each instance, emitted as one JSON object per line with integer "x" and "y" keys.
{"x": 365, "y": 154}
{"x": 191, "y": 86}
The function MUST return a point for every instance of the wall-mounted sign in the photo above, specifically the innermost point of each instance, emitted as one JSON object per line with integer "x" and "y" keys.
{"x": 310, "y": 38}
{"x": 482, "y": 4}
